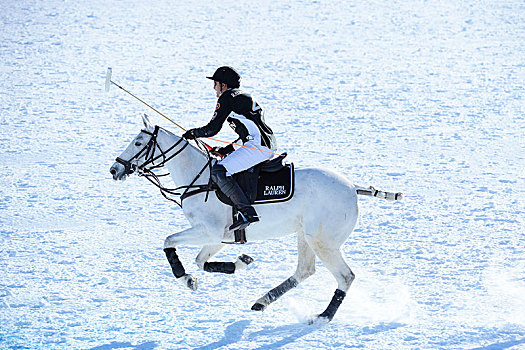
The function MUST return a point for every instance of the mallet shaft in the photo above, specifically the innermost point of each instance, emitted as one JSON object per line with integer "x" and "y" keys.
{"x": 153, "y": 108}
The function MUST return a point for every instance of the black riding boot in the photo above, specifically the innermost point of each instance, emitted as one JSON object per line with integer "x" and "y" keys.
{"x": 246, "y": 213}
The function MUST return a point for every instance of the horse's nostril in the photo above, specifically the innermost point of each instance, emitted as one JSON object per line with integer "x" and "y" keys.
{"x": 113, "y": 171}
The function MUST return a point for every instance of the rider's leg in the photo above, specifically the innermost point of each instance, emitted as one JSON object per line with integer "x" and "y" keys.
{"x": 241, "y": 159}
{"x": 232, "y": 190}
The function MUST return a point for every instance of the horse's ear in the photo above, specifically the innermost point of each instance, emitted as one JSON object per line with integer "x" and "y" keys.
{"x": 147, "y": 122}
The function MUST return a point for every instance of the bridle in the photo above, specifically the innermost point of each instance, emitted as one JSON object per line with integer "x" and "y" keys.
{"x": 149, "y": 154}
{"x": 152, "y": 162}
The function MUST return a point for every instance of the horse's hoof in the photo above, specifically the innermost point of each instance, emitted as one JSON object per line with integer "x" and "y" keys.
{"x": 246, "y": 259}
{"x": 318, "y": 320}
{"x": 258, "y": 307}
{"x": 243, "y": 261}
{"x": 189, "y": 281}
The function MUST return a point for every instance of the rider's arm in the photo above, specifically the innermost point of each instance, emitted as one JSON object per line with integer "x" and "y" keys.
{"x": 221, "y": 113}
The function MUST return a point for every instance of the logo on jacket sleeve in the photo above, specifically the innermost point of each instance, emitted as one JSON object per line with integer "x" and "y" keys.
{"x": 216, "y": 109}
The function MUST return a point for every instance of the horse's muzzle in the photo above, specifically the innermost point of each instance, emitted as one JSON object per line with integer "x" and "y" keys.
{"x": 118, "y": 171}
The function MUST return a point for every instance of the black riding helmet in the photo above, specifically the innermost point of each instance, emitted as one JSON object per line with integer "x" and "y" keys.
{"x": 228, "y": 76}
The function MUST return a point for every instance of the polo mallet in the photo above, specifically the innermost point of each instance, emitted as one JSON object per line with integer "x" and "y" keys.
{"x": 108, "y": 85}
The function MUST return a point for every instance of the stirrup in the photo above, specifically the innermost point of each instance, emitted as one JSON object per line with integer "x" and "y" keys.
{"x": 242, "y": 221}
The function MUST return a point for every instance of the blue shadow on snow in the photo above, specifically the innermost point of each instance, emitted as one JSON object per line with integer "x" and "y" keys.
{"x": 149, "y": 345}
{"x": 505, "y": 345}
{"x": 232, "y": 334}
{"x": 291, "y": 333}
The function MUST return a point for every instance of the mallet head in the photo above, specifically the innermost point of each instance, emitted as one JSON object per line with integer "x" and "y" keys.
{"x": 108, "y": 79}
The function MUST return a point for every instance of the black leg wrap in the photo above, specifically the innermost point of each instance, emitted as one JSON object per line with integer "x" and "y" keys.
{"x": 176, "y": 265}
{"x": 278, "y": 291}
{"x": 337, "y": 299}
{"x": 219, "y": 266}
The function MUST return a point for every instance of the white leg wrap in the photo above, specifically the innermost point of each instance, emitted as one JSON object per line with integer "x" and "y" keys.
{"x": 242, "y": 262}
{"x": 371, "y": 191}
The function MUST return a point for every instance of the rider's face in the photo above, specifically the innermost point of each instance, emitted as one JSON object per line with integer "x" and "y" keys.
{"x": 218, "y": 87}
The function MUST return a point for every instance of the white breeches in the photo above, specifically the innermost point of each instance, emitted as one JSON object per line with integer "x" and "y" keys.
{"x": 244, "y": 158}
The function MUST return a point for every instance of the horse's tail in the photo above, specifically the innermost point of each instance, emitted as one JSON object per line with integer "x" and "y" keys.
{"x": 371, "y": 191}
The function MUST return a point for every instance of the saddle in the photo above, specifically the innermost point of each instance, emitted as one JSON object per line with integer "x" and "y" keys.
{"x": 268, "y": 182}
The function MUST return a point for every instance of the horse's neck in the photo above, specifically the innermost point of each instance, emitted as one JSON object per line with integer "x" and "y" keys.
{"x": 185, "y": 166}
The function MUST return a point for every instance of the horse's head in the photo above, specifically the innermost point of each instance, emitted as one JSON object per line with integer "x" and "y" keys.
{"x": 136, "y": 153}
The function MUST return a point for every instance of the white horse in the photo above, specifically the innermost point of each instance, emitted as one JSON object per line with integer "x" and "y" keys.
{"x": 323, "y": 212}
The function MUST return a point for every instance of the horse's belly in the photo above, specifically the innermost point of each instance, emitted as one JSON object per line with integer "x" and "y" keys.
{"x": 323, "y": 201}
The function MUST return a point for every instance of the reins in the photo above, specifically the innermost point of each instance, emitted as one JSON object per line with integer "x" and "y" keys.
{"x": 145, "y": 169}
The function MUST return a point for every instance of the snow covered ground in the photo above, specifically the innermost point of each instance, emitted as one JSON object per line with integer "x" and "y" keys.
{"x": 423, "y": 97}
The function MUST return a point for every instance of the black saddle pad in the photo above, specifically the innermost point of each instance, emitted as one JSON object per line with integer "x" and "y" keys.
{"x": 275, "y": 186}
{"x": 265, "y": 187}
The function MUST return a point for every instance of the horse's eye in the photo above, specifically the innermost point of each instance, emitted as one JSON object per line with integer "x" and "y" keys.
{"x": 138, "y": 144}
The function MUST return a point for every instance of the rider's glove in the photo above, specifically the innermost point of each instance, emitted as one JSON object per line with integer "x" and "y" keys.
{"x": 223, "y": 151}
{"x": 189, "y": 135}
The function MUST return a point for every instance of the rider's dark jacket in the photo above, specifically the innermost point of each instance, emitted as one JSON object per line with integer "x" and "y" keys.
{"x": 242, "y": 104}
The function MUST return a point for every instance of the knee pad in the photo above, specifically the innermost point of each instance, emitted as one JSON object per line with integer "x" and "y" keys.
{"x": 218, "y": 173}
{"x": 225, "y": 182}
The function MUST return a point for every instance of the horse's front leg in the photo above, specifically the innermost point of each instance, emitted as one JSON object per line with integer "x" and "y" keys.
{"x": 193, "y": 236}
{"x": 220, "y": 266}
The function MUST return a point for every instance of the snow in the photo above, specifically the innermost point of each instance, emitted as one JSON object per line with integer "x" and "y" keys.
{"x": 422, "y": 97}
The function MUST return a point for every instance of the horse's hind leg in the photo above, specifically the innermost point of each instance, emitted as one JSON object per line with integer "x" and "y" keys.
{"x": 220, "y": 266}
{"x": 305, "y": 268}
{"x": 335, "y": 263}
